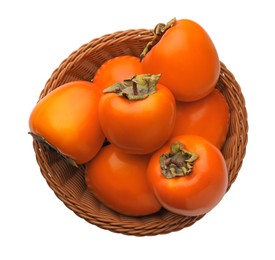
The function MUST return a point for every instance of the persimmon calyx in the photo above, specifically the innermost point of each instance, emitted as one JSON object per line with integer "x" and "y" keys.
{"x": 159, "y": 30}
{"x": 135, "y": 88}
{"x": 178, "y": 162}
{"x": 46, "y": 144}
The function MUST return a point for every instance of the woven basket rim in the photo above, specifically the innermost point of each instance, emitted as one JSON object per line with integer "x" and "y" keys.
{"x": 166, "y": 222}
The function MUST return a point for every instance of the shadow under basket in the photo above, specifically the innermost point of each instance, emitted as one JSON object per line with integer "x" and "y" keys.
{"x": 68, "y": 182}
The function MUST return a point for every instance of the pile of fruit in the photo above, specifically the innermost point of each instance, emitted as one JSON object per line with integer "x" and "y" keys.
{"x": 148, "y": 129}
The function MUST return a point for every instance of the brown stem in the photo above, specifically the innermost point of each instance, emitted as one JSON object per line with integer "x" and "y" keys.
{"x": 135, "y": 88}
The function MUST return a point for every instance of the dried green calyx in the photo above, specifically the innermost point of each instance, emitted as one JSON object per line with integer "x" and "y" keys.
{"x": 178, "y": 162}
{"x": 159, "y": 30}
{"x": 46, "y": 144}
{"x": 135, "y": 88}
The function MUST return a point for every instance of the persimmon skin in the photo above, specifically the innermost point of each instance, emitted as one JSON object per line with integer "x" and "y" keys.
{"x": 116, "y": 70}
{"x": 119, "y": 181}
{"x": 187, "y": 59}
{"x": 208, "y": 117}
{"x": 67, "y": 119}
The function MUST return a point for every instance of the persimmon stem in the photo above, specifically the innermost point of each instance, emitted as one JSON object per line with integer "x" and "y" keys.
{"x": 178, "y": 162}
{"x": 135, "y": 89}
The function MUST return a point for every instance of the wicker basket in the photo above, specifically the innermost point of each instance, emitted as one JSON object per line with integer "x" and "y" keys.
{"x": 67, "y": 181}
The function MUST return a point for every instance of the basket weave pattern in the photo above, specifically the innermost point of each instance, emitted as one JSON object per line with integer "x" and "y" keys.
{"x": 68, "y": 182}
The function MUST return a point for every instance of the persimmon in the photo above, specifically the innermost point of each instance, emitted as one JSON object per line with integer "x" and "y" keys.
{"x": 186, "y": 57}
{"x": 119, "y": 181}
{"x": 207, "y": 117}
{"x": 116, "y": 70}
{"x": 137, "y": 115}
{"x": 67, "y": 120}
{"x": 188, "y": 175}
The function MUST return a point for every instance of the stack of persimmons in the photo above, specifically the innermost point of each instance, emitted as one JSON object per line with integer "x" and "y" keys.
{"x": 148, "y": 129}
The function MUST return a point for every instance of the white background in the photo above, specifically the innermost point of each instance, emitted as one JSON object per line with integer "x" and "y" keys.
{"x": 36, "y": 36}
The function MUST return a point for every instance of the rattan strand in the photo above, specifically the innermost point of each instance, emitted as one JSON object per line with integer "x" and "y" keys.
{"x": 67, "y": 181}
